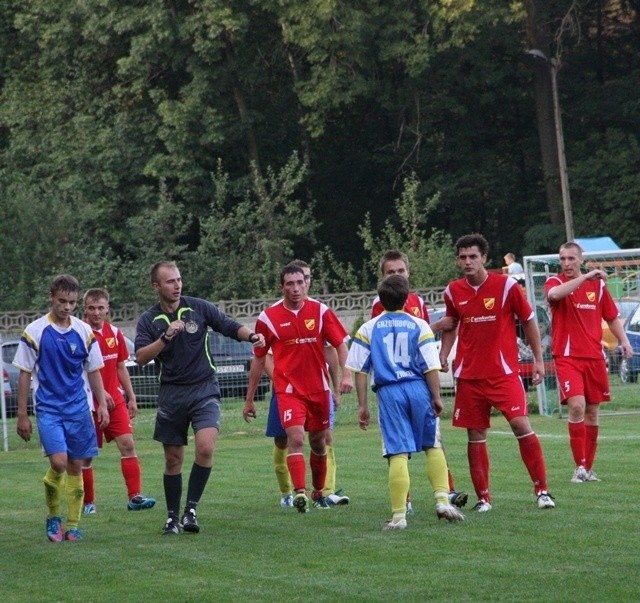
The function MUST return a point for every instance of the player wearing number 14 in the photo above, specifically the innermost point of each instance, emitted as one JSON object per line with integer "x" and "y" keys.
{"x": 401, "y": 352}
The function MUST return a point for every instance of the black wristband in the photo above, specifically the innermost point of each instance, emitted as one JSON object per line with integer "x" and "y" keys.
{"x": 165, "y": 339}
{"x": 251, "y": 336}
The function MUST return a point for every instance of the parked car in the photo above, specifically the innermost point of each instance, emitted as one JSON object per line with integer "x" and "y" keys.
{"x": 630, "y": 367}
{"x": 231, "y": 358}
{"x": 10, "y": 376}
{"x": 8, "y": 394}
{"x": 626, "y": 305}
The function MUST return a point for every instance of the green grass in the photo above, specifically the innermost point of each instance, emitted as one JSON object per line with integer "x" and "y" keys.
{"x": 250, "y": 549}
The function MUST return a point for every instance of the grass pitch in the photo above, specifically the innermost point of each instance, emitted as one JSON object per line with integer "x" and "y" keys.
{"x": 249, "y": 549}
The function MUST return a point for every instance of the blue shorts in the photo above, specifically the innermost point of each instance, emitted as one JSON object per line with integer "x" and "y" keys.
{"x": 74, "y": 435}
{"x": 274, "y": 425}
{"x": 407, "y": 421}
{"x": 181, "y": 406}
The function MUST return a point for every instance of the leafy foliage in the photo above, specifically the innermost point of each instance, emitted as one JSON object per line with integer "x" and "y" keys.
{"x": 115, "y": 115}
{"x": 250, "y": 233}
{"x": 430, "y": 251}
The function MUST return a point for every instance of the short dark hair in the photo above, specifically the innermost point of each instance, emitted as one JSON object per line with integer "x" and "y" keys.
{"x": 299, "y": 264}
{"x": 153, "y": 272}
{"x": 473, "y": 240}
{"x": 572, "y": 245}
{"x": 95, "y": 293}
{"x": 393, "y": 255}
{"x": 290, "y": 268}
{"x": 393, "y": 292}
{"x": 65, "y": 283}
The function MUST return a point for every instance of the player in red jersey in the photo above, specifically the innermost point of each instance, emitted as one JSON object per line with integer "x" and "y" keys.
{"x": 397, "y": 262}
{"x": 484, "y": 305}
{"x": 296, "y": 329}
{"x": 579, "y": 302}
{"x": 115, "y": 378}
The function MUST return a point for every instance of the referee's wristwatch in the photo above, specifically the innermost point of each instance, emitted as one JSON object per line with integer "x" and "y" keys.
{"x": 165, "y": 339}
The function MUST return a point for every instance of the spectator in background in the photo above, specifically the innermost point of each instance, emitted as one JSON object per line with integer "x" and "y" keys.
{"x": 512, "y": 267}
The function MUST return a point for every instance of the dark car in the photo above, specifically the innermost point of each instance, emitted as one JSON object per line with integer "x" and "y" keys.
{"x": 231, "y": 358}
{"x": 630, "y": 367}
{"x": 10, "y": 378}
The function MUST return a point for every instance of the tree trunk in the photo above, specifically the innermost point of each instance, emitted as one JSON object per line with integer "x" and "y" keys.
{"x": 539, "y": 37}
{"x": 238, "y": 95}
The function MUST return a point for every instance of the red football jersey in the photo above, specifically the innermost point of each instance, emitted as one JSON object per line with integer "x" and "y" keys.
{"x": 297, "y": 339}
{"x": 576, "y": 327}
{"x": 487, "y": 344}
{"x": 414, "y": 305}
{"x": 114, "y": 350}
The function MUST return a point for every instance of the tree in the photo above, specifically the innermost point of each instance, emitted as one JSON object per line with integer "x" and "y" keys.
{"x": 250, "y": 233}
{"x": 430, "y": 251}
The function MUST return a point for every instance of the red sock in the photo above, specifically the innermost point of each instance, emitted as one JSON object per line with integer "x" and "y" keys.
{"x": 479, "y": 468}
{"x": 591, "y": 445}
{"x": 318, "y": 470}
{"x": 87, "y": 479}
{"x": 297, "y": 471}
{"x": 452, "y": 486}
{"x": 578, "y": 442}
{"x": 130, "y": 466}
{"x": 531, "y": 453}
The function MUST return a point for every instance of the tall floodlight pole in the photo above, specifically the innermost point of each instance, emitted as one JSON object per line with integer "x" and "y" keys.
{"x": 562, "y": 159}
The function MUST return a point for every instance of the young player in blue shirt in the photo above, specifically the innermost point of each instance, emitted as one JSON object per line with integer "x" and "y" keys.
{"x": 401, "y": 352}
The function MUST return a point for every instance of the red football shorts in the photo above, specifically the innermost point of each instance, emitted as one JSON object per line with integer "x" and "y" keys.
{"x": 582, "y": 377}
{"x": 119, "y": 424}
{"x": 311, "y": 411}
{"x": 476, "y": 397}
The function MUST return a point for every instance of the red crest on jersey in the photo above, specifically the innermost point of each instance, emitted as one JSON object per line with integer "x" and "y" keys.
{"x": 110, "y": 341}
{"x": 416, "y": 311}
{"x": 489, "y": 302}
{"x": 591, "y": 296}
{"x": 310, "y": 323}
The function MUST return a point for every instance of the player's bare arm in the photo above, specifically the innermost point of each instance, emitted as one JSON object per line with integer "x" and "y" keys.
{"x": 333, "y": 364}
{"x": 532, "y": 335}
{"x": 125, "y": 381}
{"x": 561, "y": 291}
{"x": 149, "y": 352}
{"x": 448, "y": 339}
{"x": 362, "y": 386}
{"x": 446, "y": 323}
{"x": 346, "y": 383}
{"x": 24, "y": 427}
{"x": 257, "y": 367}
{"x": 255, "y": 339}
{"x": 617, "y": 329}
{"x": 433, "y": 383}
{"x": 102, "y": 412}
